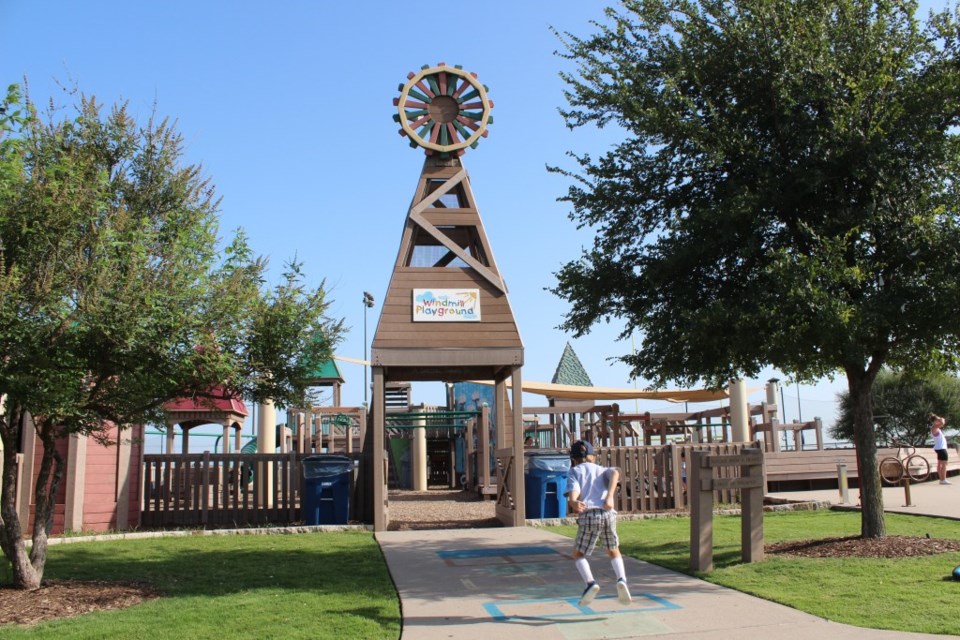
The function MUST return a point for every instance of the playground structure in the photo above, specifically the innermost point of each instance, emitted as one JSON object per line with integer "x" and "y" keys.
{"x": 446, "y": 317}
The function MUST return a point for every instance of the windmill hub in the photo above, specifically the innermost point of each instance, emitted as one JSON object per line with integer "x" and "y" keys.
{"x": 444, "y": 109}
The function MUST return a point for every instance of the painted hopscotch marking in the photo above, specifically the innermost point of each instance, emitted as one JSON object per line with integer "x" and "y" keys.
{"x": 506, "y": 555}
{"x": 568, "y": 607}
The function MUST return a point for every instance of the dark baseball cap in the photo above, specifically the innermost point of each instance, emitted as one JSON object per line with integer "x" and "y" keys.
{"x": 581, "y": 449}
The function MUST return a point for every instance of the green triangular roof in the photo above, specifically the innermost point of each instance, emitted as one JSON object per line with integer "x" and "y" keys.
{"x": 570, "y": 370}
{"x": 326, "y": 370}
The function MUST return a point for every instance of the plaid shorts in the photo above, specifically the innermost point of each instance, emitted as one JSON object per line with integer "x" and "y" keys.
{"x": 595, "y": 524}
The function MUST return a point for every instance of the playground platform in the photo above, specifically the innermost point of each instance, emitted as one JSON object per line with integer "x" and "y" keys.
{"x": 520, "y": 583}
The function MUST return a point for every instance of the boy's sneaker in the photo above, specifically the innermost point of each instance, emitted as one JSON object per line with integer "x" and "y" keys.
{"x": 945, "y": 482}
{"x": 623, "y": 593}
{"x": 589, "y": 594}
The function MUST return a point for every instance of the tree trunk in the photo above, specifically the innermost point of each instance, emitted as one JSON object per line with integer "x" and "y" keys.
{"x": 25, "y": 575}
{"x": 860, "y": 385}
{"x": 45, "y": 495}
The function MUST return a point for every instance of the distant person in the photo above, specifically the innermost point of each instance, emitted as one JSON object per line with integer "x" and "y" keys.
{"x": 590, "y": 493}
{"x": 940, "y": 446}
{"x": 528, "y": 443}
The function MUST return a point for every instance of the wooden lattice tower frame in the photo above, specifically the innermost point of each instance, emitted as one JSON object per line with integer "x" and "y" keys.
{"x": 445, "y": 258}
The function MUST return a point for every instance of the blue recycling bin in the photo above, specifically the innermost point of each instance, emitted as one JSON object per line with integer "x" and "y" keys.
{"x": 544, "y": 482}
{"x": 325, "y": 494}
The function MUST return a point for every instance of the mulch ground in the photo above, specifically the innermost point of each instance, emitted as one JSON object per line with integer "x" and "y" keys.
{"x": 856, "y": 547}
{"x": 67, "y": 598}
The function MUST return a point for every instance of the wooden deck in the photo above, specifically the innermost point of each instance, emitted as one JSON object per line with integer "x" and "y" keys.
{"x": 788, "y": 470}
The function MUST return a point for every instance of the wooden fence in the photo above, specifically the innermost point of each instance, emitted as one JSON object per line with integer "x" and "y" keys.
{"x": 654, "y": 478}
{"x": 215, "y": 490}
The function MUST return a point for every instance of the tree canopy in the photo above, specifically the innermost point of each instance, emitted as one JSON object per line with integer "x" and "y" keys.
{"x": 117, "y": 294}
{"x": 783, "y": 193}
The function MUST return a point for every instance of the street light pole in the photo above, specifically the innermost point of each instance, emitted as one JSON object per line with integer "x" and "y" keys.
{"x": 367, "y": 304}
{"x": 799, "y": 412}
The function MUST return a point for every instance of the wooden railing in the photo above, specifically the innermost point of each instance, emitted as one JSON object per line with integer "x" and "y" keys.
{"x": 220, "y": 489}
{"x": 654, "y": 478}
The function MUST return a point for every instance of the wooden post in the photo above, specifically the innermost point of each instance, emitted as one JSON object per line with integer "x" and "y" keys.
{"x": 702, "y": 485}
{"x": 751, "y": 510}
{"x": 842, "y": 484}
{"x": 468, "y": 454}
{"x": 380, "y": 515}
{"x": 701, "y": 513}
{"x": 519, "y": 499}
{"x": 483, "y": 460}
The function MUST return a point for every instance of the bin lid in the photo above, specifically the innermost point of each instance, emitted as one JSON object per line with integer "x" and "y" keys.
{"x": 555, "y": 462}
{"x": 320, "y": 466}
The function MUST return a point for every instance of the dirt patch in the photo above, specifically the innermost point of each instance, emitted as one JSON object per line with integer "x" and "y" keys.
{"x": 440, "y": 509}
{"x": 67, "y": 598}
{"x": 857, "y": 547}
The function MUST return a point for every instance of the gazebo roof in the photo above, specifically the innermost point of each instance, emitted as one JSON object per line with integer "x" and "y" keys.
{"x": 326, "y": 371}
{"x": 220, "y": 401}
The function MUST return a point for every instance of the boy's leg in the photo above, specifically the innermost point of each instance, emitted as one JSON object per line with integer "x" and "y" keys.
{"x": 587, "y": 535}
{"x": 612, "y": 542}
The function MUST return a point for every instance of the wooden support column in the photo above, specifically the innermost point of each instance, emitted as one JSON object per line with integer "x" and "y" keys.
{"x": 226, "y": 438}
{"x": 266, "y": 443}
{"x": 76, "y": 477}
{"x": 519, "y": 498}
{"x": 418, "y": 455}
{"x": 739, "y": 411}
{"x": 170, "y": 435}
{"x": 483, "y": 458}
{"x": 381, "y": 517}
{"x": 25, "y": 471}
{"x": 124, "y": 446}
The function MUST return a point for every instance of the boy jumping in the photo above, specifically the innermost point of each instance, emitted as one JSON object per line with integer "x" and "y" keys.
{"x": 590, "y": 493}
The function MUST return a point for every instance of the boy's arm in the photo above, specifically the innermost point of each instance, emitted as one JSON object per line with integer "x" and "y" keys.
{"x": 613, "y": 477}
{"x": 573, "y": 501}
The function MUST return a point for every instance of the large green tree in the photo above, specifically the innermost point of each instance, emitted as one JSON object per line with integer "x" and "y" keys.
{"x": 902, "y": 404}
{"x": 116, "y": 294}
{"x": 783, "y": 193}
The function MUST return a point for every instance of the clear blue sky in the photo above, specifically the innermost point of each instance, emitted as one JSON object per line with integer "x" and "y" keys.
{"x": 289, "y": 109}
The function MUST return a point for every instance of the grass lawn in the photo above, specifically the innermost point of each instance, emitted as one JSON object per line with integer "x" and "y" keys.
{"x": 323, "y": 585}
{"x": 906, "y": 594}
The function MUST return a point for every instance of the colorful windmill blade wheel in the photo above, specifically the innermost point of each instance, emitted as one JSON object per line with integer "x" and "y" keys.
{"x": 443, "y": 109}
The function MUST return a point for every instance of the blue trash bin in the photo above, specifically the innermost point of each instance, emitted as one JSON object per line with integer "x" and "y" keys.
{"x": 325, "y": 494}
{"x": 544, "y": 482}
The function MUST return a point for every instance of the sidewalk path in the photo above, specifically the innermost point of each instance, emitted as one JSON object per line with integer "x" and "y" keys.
{"x": 927, "y": 498}
{"x": 520, "y": 583}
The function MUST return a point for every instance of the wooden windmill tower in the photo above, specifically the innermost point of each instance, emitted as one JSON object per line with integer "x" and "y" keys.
{"x": 446, "y": 316}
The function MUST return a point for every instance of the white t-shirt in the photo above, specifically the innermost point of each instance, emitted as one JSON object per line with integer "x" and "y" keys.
{"x": 591, "y": 481}
{"x": 939, "y": 441}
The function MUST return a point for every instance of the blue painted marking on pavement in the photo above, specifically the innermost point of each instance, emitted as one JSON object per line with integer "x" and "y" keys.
{"x": 659, "y": 604}
{"x": 489, "y": 553}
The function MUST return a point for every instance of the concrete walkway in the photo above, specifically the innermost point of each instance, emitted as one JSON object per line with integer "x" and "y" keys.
{"x": 520, "y": 583}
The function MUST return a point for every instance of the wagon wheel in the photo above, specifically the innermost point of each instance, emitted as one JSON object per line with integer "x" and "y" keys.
{"x": 891, "y": 470}
{"x": 443, "y": 109}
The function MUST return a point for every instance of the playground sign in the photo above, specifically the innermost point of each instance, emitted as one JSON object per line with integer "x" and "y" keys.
{"x": 446, "y": 305}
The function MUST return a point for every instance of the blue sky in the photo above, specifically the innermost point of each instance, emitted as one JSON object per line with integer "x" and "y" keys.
{"x": 289, "y": 110}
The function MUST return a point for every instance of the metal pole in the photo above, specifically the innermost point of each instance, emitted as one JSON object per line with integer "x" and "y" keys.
{"x": 799, "y": 413}
{"x": 367, "y": 303}
{"x": 365, "y": 355}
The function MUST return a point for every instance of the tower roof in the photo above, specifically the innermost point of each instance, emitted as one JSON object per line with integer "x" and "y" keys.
{"x": 570, "y": 370}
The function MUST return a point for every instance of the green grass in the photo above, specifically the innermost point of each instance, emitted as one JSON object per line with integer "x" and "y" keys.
{"x": 906, "y": 594}
{"x": 324, "y": 585}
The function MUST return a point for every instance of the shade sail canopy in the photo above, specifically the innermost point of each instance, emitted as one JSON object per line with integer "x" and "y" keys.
{"x": 573, "y": 392}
